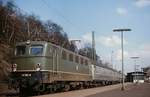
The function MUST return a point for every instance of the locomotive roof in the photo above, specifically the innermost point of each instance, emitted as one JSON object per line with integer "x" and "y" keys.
{"x": 107, "y": 68}
{"x": 35, "y": 42}
{"x": 45, "y": 42}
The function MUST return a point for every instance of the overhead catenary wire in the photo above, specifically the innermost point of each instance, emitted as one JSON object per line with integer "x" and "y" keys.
{"x": 61, "y": 15}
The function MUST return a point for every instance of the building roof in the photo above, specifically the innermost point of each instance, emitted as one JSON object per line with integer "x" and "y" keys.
{"x": 136, "y": 73}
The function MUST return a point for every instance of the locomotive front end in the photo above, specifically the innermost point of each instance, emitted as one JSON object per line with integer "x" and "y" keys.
{"x": 29, "y": 55}
{"x": 28, "y": 65}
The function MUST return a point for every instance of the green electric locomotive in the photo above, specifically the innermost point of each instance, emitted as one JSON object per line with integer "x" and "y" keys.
{"x": 40, "y": 67}
{"x": 50, "y": 65}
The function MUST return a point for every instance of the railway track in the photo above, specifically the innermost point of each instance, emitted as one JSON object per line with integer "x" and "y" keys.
{"x": 9, "y": 94}
{"x": 17, "y": 94}
{"x": 104, "y": 88}
{"x": 85, "y": 92}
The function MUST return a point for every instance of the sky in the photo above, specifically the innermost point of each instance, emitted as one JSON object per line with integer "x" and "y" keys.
{"x": 80, "y": 17}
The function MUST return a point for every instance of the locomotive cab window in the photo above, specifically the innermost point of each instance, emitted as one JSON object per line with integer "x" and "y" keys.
{"x": 36, "y": 50}
{"x": 20, "y": 50}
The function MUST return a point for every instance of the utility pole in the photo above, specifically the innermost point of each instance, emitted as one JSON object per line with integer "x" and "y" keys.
{"x": 29, "y": 34}
{"x": 135, "y": 68}
{"x": 112, "y": 52}
{"x": 93, "y": 49}
{"x": 122, "y": 30}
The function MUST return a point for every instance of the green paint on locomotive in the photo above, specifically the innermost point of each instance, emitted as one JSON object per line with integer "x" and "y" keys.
{"x": 24, "y": 58}
{"x": 50, "y": 59}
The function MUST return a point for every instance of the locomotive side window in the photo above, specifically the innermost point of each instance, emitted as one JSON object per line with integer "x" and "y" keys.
{"x": 81, "y": 60}
{"x": 86, "y": 62}
{"x": 71, "y": 57}
{"x": 36, "y": 50}
{"x": 64, "y": 55}
{"x": 20, "y": 50}
{"x": 77, "y": 59}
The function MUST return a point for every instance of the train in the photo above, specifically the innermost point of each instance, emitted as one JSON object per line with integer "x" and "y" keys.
{"x": 40, "y": 66}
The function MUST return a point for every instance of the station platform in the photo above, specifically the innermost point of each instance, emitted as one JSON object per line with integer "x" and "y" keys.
{"x": 131, "y": 90}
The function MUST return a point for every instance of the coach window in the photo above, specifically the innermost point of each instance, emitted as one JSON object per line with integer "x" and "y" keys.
{"x": 20, "y": 50}
{"x": 36, "y": 50}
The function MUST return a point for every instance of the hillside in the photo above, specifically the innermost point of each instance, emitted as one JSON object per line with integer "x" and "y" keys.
{"x": 5, "y": 66}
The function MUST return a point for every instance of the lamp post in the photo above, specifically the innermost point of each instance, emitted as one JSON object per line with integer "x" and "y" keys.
{"x": 135, "y": 67}
{"x": 122, "y": 52}
{"x": 111, "y": 59}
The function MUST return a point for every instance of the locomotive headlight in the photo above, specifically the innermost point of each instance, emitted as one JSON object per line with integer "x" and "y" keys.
{"x": 14, "y": 67}
{"x": 26, "y": 75}
{"x": 28, "y": 42}
{"x": 38, "y": 67}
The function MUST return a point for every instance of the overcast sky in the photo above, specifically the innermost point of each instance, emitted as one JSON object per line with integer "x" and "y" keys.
{"x": 79, "y": 17}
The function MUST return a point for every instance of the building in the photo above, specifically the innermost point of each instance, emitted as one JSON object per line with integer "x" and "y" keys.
{"x": 135, "y": 77}
{"x": 146, "y": 70}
